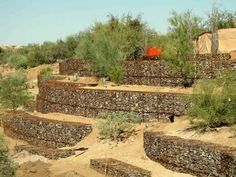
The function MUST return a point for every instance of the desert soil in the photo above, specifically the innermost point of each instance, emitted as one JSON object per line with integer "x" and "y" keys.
{"x": 130, "y": 151}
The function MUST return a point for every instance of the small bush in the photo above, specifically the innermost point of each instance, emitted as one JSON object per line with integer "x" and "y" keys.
{"x": 6, "y": 166}
{"x": 116, "y": 74}
{"x": 117, "y": 126}
{"x": 46, "y": 71}
{"x": 214, "y": 101}
{"x": 18, "y": 61}
{"x": 14, "y": 91}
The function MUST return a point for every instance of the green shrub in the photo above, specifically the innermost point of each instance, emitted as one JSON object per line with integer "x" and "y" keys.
{"x": 103, "y": 55}
{"x": 46, "y": 53}
{"x": 116, "y": 126}
{"x": 178, "y": 46}
{"x": 116, "y": 74}
{"x": 14, "y": 91}
{"x": 106, "y": 45}
{"x": 17, "y": 61}
{"x": 214, "y": 101}
{"x": 6, "y": 166}
{"x": 46, "y": 71}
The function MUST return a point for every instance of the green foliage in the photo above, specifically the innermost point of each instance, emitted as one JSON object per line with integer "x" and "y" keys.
{"x": 102, "y": 53}
{"x": 105, "y": 45}
{"x": 178, "y": 45}
{"x": 225, "y": 19}
{"x": 17, "y": 61}
{"x": 46, "y": 71}
{"x": 13, "y": 91}
{"x": 6, "y": 166}
{"x": 2, "y": 53}
{"x": 117, "y": 126}
{"x": 214, "y": 101}
{"x": 33, "y": 55}
{"x": 115, "y": 73}
{"x": 71, "y": 43}
{"x": 44, "y": 54}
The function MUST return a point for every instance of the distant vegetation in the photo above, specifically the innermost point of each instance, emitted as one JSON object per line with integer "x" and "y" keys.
{"x": 33, "y": 55}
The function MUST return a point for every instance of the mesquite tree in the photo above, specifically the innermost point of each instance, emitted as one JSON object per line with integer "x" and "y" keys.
{"x": 180, "y": 51}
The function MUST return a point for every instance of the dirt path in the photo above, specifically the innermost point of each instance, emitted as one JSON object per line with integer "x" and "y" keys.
{"x": 131, "y": 152}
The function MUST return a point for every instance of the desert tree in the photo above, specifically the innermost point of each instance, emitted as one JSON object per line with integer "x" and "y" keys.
{"x": 180, "y": 51}
{"x": 106, "y": 45}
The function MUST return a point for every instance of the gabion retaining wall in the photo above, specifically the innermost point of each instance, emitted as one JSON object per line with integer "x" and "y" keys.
{"x": 152, "y": 72}
{"x": 50, "y": 153}
{"x": 73, "y": 66}
{"x": 44, "y": 132}
{"x": 111, "y": 167}
{"x": 190, "y": 156}
{"x": 56, "y": 97}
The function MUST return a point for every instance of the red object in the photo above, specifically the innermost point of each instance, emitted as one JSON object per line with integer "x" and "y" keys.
{"x": 154, "y": 51}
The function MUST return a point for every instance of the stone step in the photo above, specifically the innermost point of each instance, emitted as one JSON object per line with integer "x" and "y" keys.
{"x": 112, "y": 167}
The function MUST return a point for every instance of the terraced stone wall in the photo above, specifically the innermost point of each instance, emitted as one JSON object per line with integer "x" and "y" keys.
{"x": 152, "y": 72}
{"x": 73, "y": 66}
{"x": 44, "y": 132}
{"x": 112, "y": 167}
{"x": 58, "y": 97}
{"x": 190, "y": 156}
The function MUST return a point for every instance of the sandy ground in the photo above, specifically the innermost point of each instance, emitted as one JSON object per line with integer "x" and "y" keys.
{"x": 144, "y": 88}
{"x": 130, "y": 151}
{"x": 4, "y": 70}
{"x": 181, "y": 127}
{"x": 32, "y": 73}
{"x": 111, "y": 86}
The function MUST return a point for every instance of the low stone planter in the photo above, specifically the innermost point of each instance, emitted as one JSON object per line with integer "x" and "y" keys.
{"x": 112, "y": 167}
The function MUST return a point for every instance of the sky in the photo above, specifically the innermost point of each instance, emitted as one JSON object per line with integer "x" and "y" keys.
{"x": 35, "y": 21}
